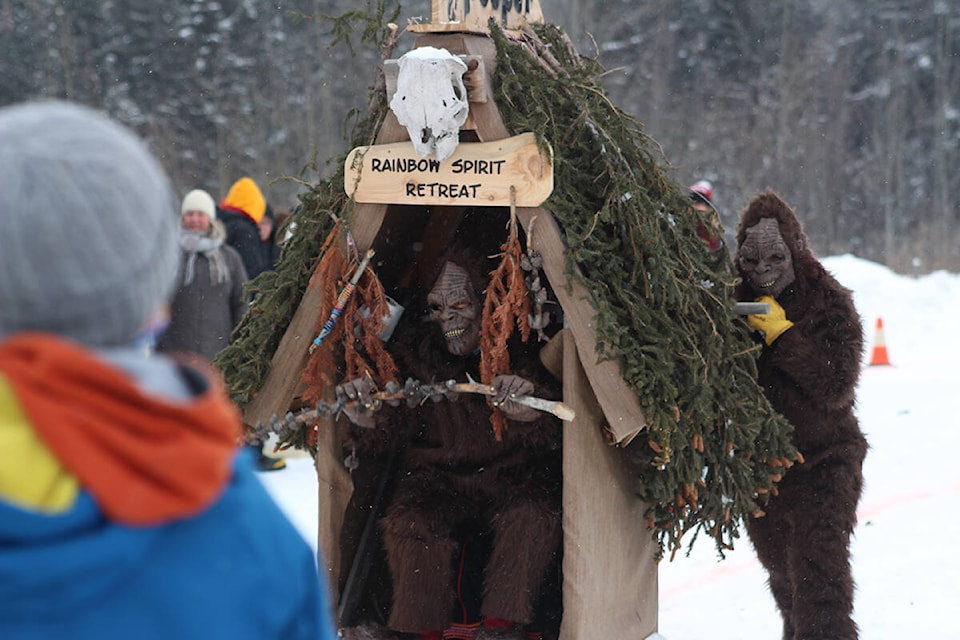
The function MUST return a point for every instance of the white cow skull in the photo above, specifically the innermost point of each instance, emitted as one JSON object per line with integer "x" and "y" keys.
{"x": 431, "y": 100}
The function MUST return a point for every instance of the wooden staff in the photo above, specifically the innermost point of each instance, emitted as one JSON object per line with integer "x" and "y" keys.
{"x": 413, "y": 391}
{"x": 420, "y": 392}
{"x": 554, "y": 407}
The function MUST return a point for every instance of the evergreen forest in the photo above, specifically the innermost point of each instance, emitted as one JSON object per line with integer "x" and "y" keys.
{"x": 850, "y": 110}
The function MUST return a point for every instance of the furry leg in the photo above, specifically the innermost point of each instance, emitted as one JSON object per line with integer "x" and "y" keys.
{"x": 768, "y": 535}
{"x": 422, "y": 571}
{"x": 526, "y": 537}
{"x": 803, "y": 543}
{"x": 819, "y": 554}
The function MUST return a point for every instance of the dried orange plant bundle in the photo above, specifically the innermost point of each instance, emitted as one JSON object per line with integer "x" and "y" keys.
{"x": 331, "y": 272}
{"x": 367, "y": 355}
{"x": 506, "y": 307}
{"x": 355, "y": 337}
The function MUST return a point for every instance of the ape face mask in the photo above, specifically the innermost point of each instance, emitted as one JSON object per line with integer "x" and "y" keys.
{"x": 455, "y": 307}
{"x": 765, "y": 260}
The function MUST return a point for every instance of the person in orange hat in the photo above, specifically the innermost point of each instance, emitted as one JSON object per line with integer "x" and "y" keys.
{"x": 241, "y": 211}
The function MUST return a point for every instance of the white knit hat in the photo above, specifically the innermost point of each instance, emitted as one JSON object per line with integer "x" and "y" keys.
{"x": 199, "y": 200}
{"x": 89, "y": 244}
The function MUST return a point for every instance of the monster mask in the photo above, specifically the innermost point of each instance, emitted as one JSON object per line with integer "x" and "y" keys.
{"x": 454, "y": 306}
{"x": 764, "y": 259}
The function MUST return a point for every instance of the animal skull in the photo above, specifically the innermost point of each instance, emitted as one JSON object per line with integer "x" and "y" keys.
{"x": 431, "y": 100}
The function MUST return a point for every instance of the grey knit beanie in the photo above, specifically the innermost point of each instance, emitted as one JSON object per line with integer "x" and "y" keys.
{"x": 88, "y": 242}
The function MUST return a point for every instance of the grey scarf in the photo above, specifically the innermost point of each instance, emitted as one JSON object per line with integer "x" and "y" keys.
{"x": 194, "y": 243}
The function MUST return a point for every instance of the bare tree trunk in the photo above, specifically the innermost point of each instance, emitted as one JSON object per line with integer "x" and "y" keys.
{"x": 890, "y": 147}
{"x": 943, "y": 207}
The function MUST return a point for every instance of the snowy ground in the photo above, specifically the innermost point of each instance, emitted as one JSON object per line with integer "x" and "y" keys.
{"x": 906, "y": 553}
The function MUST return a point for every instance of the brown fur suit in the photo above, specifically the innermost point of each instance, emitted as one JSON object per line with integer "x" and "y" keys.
{"x": 809, "y": 374}
{"x": 455, "y": 476}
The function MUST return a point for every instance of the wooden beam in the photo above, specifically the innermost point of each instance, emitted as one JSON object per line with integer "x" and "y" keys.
{"x": 335, "y": 487}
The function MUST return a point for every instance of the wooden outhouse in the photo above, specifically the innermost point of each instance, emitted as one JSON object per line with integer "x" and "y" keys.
{"x": 609, "y": 564}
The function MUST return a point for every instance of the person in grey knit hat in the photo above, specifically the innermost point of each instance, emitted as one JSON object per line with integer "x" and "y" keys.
{"x": 123, "y": 492}
{"x": 89, "y": 246}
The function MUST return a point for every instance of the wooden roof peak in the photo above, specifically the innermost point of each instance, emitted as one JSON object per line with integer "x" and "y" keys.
{"x": 473, "y": 16}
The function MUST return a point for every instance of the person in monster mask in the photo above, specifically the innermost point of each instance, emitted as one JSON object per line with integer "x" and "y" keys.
{"x": 455, "y": 475}
{"x": 808, "y": 368}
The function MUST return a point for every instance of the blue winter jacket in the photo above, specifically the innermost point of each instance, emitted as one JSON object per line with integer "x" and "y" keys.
{"x": 237, "y": 570}
{"x": 77, "y": 575}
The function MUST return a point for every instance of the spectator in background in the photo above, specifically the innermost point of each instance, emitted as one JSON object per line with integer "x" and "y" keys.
{"x": 209, "y": 301}
{"x": 241, "y": 211}
{"x": 283, "y": 223}
{"x": 268, "y": 237}
{"x": 124, "y": 508}
{"x": 701, "y": 194}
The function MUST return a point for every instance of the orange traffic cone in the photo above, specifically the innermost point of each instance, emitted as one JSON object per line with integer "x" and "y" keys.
{"x": 879, "y": 355}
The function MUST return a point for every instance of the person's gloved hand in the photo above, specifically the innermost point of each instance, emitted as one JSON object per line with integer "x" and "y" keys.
{"x": 359, "y": 403}
{"x": 773, "y": 324}
{"x": 511, "y": 386}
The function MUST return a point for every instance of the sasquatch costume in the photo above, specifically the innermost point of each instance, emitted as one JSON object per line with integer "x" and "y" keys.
{"x": 455, "y": 476}
{"x": 808, "y": 369}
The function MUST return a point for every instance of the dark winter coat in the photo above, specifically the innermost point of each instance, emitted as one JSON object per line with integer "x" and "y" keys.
{"x": 203, "y": 313}
{"x": 243, "y": 234}
{"x": 271, "y": 248}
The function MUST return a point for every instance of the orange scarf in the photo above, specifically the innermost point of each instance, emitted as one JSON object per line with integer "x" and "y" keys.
{"x": 143, "y": 459}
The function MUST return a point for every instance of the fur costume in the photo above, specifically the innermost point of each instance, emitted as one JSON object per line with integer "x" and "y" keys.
{"x": 809, "y": 373}
{"x": 456, "y": 481}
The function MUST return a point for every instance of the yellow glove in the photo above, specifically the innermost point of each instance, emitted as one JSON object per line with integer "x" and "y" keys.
{"x": 772, "y": 324}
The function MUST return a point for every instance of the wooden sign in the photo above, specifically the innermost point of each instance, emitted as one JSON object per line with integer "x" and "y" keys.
{"x": 477, "y": 174}
{"x": 474, "y": 15}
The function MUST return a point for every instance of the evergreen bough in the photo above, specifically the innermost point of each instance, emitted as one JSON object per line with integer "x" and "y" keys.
{"x": 713, "y": 446}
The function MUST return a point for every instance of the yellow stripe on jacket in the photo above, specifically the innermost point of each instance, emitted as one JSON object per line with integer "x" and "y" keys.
{"x": 30, "y": 475}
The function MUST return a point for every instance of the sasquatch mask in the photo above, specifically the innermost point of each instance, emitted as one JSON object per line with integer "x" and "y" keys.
{"x": 764, "y": 259}
{"x": 455, "y": 306}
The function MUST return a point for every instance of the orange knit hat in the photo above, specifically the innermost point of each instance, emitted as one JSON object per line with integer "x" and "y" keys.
{"x": 245, "y": 195}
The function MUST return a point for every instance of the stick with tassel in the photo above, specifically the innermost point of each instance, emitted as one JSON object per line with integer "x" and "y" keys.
{"x": 342, "y": 300}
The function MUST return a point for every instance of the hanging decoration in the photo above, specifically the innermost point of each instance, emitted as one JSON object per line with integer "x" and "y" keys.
{"x": 506, "y": 308}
